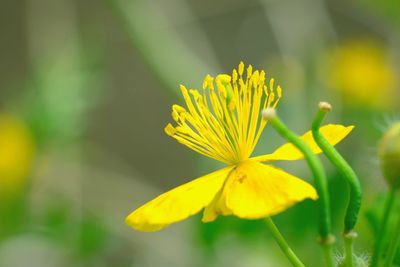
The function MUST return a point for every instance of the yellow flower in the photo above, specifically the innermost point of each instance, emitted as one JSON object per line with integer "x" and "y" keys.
{"x": 224, "y": 123}
{"x": 361, "y": 71}
{"x": 16, "y": 154}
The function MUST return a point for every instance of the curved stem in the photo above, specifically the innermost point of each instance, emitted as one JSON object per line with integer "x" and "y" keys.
{"x": 341, "y": 164}
{"x": 283, "y": 244}
{"x": 393, "y": 246}
{"x": 382, "y": 231}
{"x": 353, "y": 207}
{"x": 320, "y": 182}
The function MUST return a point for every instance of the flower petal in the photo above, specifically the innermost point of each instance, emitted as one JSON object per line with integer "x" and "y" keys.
{"x": 178, "y": 203}
{"x": 216, "y": 207}
{"x": 334, "y": 133}
{"x": 255, "y": 190}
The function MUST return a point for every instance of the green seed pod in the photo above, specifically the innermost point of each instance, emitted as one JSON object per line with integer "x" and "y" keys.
{"x": 389, "y": 155}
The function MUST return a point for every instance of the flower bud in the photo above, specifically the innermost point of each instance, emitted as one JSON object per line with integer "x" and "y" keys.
{"x": 389, "y": 155}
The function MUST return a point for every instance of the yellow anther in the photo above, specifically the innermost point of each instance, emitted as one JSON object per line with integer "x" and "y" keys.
{"x": 223, "y": 79}
{"x": 178, "y": 112}
{"x": 183, "y": 88}
{"x": 265, "y": 90}
{"x": 234, "y": 76}
{"x": 249, "y": 71}
{"x": 169, "y": 129}
{"x": 261, "y": 81}
{"x": 178, "y": 109}
{"x": 271, "y": 97}
{"x": 225, "y": 88}
{"x": 241, "y": 68}
{"x": 223, "y": 84}
{"x": 175, "y": 115}
{"x": 196, "y": 95}
{"x": 205, "y": 83}
{"x": 279, "y": 91}
{"x": 208, "y": 82}
{"x": 271, "y": 84}
{"x": 255, "y": 78}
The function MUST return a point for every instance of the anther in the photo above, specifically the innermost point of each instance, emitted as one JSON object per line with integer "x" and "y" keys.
{"x": 241, "y": 68}
{"x": 249, "y": 71}
{"x": 169, "y": 129}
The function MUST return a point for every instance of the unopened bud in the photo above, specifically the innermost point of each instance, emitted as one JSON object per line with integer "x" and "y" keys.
{"x": 269, "y": 113}
{"x": 389, "y": 155}
{"x": 325, "y": 106}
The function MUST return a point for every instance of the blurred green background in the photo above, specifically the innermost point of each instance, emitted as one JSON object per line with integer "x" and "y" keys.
{"x": 85, "y": 92}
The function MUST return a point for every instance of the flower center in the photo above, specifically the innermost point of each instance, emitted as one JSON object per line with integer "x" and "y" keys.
{"x": 224, "y": 123}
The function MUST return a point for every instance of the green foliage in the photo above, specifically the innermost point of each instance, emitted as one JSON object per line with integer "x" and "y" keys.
{"x": 389, "y": 10}
{"x": 60, "y": 94}
{"x": 374, "y": 215}
{"x": 56, "y": 221}
{"x": 86, "y": 237}
{"x": 92, "y": 238}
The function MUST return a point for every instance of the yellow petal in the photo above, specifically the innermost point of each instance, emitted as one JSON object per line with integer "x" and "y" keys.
{"x": 255, "y": 190}
{"x": 178, "y": 203}
{"x": 216, "y": 207}
{"x": 334, "y": 133}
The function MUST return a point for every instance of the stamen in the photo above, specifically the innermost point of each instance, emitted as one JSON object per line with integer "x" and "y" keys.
{"x": 249, "y": 71}
{"x": 224, "y": 124}
{"x": 169, "y": 129}
{"x": 241, "y": 68}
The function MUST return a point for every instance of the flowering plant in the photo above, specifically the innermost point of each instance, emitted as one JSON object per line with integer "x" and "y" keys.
{"x": 225, "y": 121}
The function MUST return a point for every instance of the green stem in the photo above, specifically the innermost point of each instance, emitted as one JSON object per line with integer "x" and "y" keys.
{"x": 348, "y": 245}
{"x": 341, "y": 164}
{"x": 327, "y": 249}
{"x": 320, "y": 183}
{"x": 384, "y": 225}
{"x": 283, "y": 244}
{"x": 393, "y": 246}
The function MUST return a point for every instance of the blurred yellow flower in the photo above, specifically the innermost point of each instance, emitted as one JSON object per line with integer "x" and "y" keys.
{"x": 225, "y": 124}
{"x": 361, "y": 72}
{"x": 16, "y": 154}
